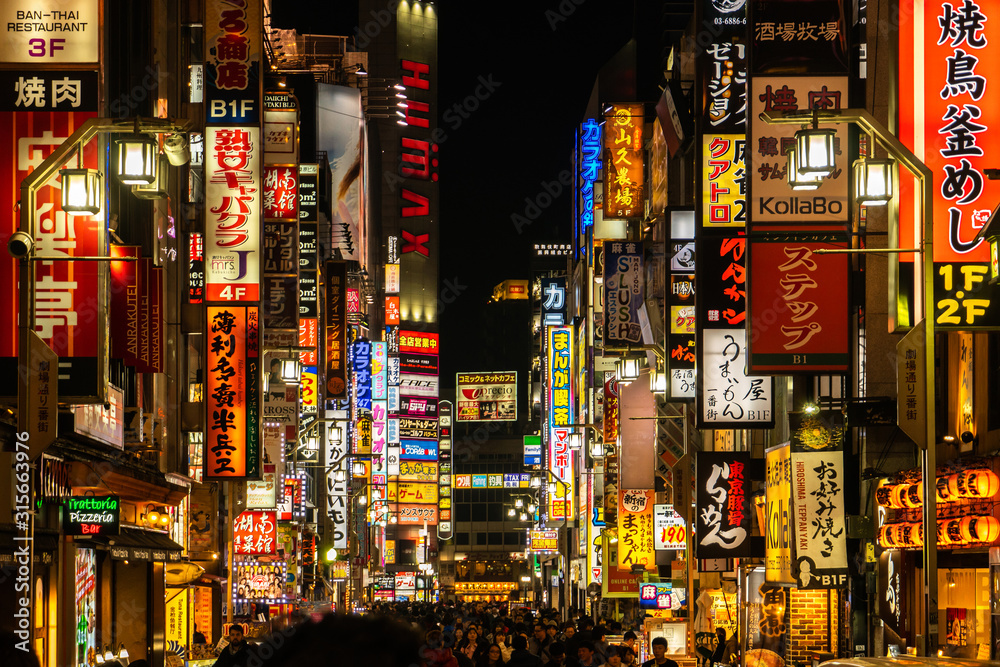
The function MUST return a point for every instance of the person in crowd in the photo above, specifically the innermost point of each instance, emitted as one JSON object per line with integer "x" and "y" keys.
{"x": 557, "y": 655}
{"x": 600, "y": 646}
{"x": 629, "y": 639}
{"x": 568, "y": 630}
{"x": 372, "y": 641}
{"x": 585, "y": 654}
{"x": 492, "y": 657}
{"x": 471, "y": 646}
{"x": 614, "y": 657}
{"x": 520, "y": 656}
{"x": 539, "y": 644}
{"x": 239, "y": 651}
{"x": 659, "y": 659}
{"x": 629, "y": 656}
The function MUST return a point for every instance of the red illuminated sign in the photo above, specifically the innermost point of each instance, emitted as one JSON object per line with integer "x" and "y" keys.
{"x": 255, "y": 533}
{"x": 281, "y": 192}
{"x": 418, "y": 341}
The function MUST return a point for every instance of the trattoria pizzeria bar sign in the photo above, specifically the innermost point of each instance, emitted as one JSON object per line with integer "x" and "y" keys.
{"x": 92, "y": 515}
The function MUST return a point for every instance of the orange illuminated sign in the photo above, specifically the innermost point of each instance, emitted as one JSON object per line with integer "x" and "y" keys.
{"x": 624, "y": 171}
{"x": 392, "y": 310}
{"x": 232, "y": 362}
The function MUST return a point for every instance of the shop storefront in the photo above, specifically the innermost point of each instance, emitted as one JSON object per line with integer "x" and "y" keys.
{"x": 968, "y": 528}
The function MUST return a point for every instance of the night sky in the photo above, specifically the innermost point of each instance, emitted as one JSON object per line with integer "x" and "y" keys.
{"x": 534, "y": 63}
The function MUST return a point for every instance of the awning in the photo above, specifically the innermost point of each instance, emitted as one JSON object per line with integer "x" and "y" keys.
{"x": 135, "y": 544}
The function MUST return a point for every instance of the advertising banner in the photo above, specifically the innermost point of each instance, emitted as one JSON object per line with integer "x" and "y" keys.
{"x": 336, "y": 330}
{"x": 635, "y": 529}
{"x": 35, "y": 34}
{"x": 416, "y": 514}
{"x": 624, "y": 291}
{"x": 91, "y": 515}
{"x": 730, "y": 397}
{"x": 590, "y": 168}
{"x": 820, "y": 537}
{"x": 669, "y": 529}
{"x": 413, "y": 492}
{"x": 255, "y": 533}
{"x": 681, "y": 335}
{"x": 254, "y": 581}
{"x": 624, "y": 167}
{"x": 948, "y": 116}
{"x": 71, "y": 304}
{"x": 281, "y": 193}
{"x": 422, "y": 386}
{"x": 335, "y": 460}
{"x": 560, "y": 403}
{"x": 418, "y": 450}
{"x": 418, "y": 471}
{"x": 233, "y": 62}
{"x": 418, "y": 429}
{"x": 232, "y": 402}
{"x": 724, "y": 180}
{"x": 553, "y": 301}
{"x": 232, "y": 203}
{"x": 420, "y": 342}
{"x": 778, "y": 514}
{"x": 486, "y": 396}
{"x": 799, "y": 304}
{"x": 417, "y": 406}
{"x": 724, "y": 518}
{"x": 789, "y": 37}
{"x": 380, "y": 376}
{"x": 772, "y": 200}
{"x": 543, "y": 541}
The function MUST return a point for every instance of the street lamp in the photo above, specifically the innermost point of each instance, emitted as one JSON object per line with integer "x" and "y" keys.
{"x": 799, "y": 180}
{"x": 815, "y": 149}
{"x": 137, "y": 158}
{"x": 81, "y": 191}
{"x": 925, "y": 180}
{"x": 873, "y": 181}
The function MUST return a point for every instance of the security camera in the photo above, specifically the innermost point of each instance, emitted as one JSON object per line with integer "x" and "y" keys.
{"x": 176, "y": 148}
{"x": 19, "y": 245}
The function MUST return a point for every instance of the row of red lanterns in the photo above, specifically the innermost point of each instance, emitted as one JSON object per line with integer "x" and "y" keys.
{"x": 969, "y": 530}
{"x": 971, "y": 484}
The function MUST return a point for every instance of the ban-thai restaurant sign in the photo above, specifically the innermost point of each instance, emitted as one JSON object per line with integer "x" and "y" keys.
{"x": 949, "y": 115}
{"x": 635, "y": 529}
{"x": 232, "y": 403}
{"x": 799, "y": 304}
{"x": 255, "y": 533}
{"x": 724, "y": 520}
{"x": 779, "y": 529}
{"x": 817, "y": 480}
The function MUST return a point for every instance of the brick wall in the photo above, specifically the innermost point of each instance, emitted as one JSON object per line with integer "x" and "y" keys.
{"x": 811, "y": 625}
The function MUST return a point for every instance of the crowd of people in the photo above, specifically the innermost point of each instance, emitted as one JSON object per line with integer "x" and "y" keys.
{"x": 445, "y": 635}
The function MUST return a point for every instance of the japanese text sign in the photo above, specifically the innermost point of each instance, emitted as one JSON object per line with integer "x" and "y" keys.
{"x": 233, "y": 31}
{"x": 798, "y": 304}
{"x": 232, "y": 211}
{"x": 486, "y": 396}
{"x": 255, "y": 533}
{"x": 590, "y": 169}
{"x": 724, "y": 519}
{"x": 543, "y": 541}
{"x": 772, "y": 200}
{"x": 281, "y": 192}
{"x": 724, "y": 180}
{"x": 623, "y": 165}
{"x": 635, "y": 529}
{"x": 817, "y": 480}
{"x": 336, "y": 330}
{"x": 232, "y": 363}
{"x": 669, "y": 529}
{"x": 778, "y": 546}
{"x": 623, "y": 292}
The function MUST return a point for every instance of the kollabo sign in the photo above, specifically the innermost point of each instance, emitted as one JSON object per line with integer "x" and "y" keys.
{"x": 91, "y": 515}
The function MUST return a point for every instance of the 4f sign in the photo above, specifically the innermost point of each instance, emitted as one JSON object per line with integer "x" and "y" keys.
{"x": 50, "y": 31}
